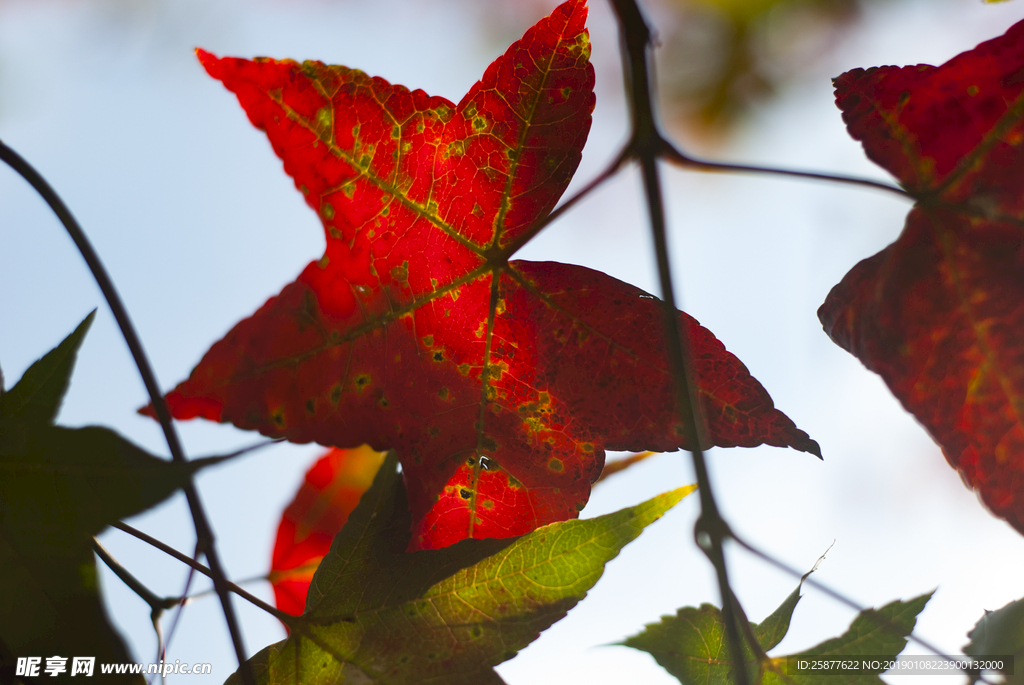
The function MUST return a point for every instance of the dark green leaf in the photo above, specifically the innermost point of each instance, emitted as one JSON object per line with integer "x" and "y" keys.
{"x": 1001, "y": 632}
{"x": 37, "y": 396}
{"x": 375, "y": 613}
{"x": 58, "y": 488}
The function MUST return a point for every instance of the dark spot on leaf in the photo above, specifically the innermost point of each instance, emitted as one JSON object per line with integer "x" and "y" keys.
{"x": 465, "y": 494}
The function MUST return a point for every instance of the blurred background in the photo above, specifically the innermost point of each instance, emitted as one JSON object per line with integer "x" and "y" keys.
{"x": 198, "y": 225}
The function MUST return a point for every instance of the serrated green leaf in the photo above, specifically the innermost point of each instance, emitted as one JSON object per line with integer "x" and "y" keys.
{"x": 1000, "y": 632}
{"x": 58, "y": 488}
{"x": 691, "y": 645}
{"x": 37, "y": 396}
{"x": 375, "y": 613}
{"x": 874, "y": 632}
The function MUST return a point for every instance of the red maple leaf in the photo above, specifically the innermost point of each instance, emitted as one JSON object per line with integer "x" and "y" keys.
{"x": 500, "y": 383}
{"x": 330, "y": 492}
{"x": 939, "y": 314}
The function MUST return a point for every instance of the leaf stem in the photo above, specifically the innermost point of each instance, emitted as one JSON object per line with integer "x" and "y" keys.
{"x": 674, "y": 155}
{"x": 184, "y": 600}
{"x": 204, "y": 532}
{"x": 647, "y": 144}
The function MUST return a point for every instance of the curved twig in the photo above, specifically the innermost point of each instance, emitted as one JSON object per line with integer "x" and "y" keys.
{"x": 282, "y": 616}
{"x": 157, "y": 605}
{"x": 674, "y": 155}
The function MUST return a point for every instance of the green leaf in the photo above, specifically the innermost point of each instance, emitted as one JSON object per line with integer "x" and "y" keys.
{"x": 58, "y": 488}
{"x": 691, "y": 645}
{"x": 771, "y": 630}
{"x": 376, "y": 613}
{"x": 874, "y": 632}
{"x": 1000, "y": 632}
{"x": 39, "y": 393}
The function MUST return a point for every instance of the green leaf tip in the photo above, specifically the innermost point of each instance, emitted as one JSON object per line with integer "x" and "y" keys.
{"x": 38, "y": 395}
{"x": 1000, "y": 632}
{"x": 376, "y": 613}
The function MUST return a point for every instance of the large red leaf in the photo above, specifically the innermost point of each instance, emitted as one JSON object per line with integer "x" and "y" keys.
{"x": 939, "y": 314}
{"x": 330, "y": 492}
{"x": 499, "y": 383}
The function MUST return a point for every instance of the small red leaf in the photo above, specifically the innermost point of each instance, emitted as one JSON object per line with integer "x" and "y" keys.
{"x": 330, "y": 492}
{"x": 939, "y": 314}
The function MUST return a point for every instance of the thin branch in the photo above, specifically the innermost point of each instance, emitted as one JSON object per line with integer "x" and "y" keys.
{"x": 647, "y": 144}
{"x": 674, "y": 155}
{"x": 285, "y": 618}
{"x": 295, "y": 623}
{"x": 184, "y": 600}
{"x": 157, "y": 605}
{"x": 204, "y": 532}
